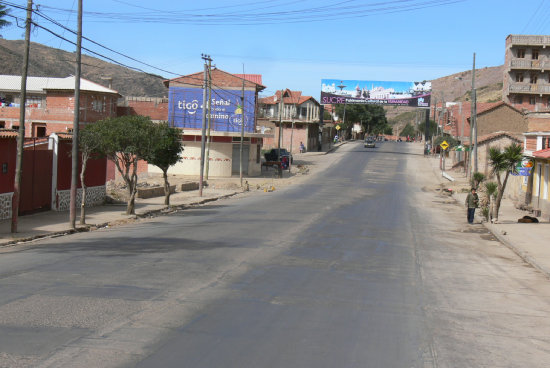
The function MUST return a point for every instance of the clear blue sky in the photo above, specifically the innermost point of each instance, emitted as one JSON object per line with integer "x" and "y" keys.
{"x": 295, "y": 44}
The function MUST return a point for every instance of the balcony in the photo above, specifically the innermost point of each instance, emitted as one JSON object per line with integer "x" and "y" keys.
{"x": 540, "y": 88}
{"x": 525, "y": 40}
{"x": 527, "y": 64}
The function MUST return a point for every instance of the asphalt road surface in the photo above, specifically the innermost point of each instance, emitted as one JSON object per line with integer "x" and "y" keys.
{"x": 365, "y": 264}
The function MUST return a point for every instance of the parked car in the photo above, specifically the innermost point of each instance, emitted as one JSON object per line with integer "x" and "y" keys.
{"x": 369, "y": 142}
{"x": 273, "y": 156}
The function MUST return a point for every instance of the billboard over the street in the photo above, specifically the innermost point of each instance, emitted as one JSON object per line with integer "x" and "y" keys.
{"x": 414, "y": 94}
{"x": 185, "y": 109}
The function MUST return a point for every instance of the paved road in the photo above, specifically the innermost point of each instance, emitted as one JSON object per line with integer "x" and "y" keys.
{"x": 366, "y": 265}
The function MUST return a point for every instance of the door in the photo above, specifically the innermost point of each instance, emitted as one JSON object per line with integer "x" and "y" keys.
{"x": 235, "y": 159}
{"x": 36, "y": 181}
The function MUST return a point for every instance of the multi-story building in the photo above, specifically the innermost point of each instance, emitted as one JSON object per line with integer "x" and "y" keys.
{"x": 50, "y": 104}
{"x": 299, "y": 116}
{"x": 526, "y": 83}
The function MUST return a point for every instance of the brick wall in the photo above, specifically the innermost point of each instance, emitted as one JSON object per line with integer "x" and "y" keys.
{"x": 538, "y": 124}
{"x": 155, "y": 108}
{"x": 502, "y": 118}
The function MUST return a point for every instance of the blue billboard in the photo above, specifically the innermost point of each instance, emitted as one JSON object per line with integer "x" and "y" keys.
{"x": 414, "y": 94}
{"x": 185, "y": 108}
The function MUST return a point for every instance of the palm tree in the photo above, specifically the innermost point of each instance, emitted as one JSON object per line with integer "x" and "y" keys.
{"x": 503, "y": 162}
{"x": 477, "y": 178}
{"x": 3, "y": 13}
{"x": 491, "y": 189}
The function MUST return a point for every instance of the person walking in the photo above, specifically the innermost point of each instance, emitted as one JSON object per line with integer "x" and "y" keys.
{"x": 472, "y": 202}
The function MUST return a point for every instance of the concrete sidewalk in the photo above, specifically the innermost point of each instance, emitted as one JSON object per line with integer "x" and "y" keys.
{"x": 53, "y": 223}
{"x": 531, "y": 241}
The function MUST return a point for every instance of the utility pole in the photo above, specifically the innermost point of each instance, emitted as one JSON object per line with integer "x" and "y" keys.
{"x": 208, "y": 139}
{"x": 473, "y": 118}
{"x": 21, "y": 135}
{"x": 76, "y": 121}
{"x": 242, "y": 135}
{"x": 281, "y": 106}
{"x": 292, "y": 136}
{"x": 203, "y": 135}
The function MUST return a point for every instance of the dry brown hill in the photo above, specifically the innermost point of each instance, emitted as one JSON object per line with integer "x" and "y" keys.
{"x": 45, "y": 61}
{"x": 454, "y": 87}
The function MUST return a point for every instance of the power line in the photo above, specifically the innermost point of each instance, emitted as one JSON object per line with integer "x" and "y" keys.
{"x": 250, "y": 16}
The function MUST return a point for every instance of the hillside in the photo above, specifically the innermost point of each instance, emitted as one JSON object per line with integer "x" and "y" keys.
{"x": 45, "y": 61}
{"x": 454, "y": 87}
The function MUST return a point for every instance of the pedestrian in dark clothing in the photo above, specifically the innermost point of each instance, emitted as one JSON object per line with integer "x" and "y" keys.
{"x": 472, "y": 202}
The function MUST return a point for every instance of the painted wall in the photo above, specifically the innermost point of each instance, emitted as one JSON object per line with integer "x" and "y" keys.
{"x": 220, "y": 160}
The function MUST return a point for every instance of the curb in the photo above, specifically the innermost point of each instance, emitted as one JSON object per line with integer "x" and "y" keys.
{"x": 501, "y": 238}
{"x": 93, "y": 227}
{"x": 523, "y": 255}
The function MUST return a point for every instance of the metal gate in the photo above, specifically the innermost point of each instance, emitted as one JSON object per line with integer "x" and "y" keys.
{"x": 36, "y": 181}
{"x": 235, "y": 158}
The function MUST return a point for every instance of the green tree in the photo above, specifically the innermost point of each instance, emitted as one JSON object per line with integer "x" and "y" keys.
{"x": 125, "y": 140}
{"x": 372, "y": 117}
{"x": 90, "y": 141}
{"x": 432, "y": 128}
{"x": 166, "y": 148}
{"x": 477, "y": 178}
{"x": 4, "y": 11}
{"x": 450, "y": 140}
{"x": 408, "y": 130}
{"x": 503, "y": 162}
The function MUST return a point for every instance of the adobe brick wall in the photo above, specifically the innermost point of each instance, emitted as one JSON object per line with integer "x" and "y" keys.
{"x": 502, "y": 118}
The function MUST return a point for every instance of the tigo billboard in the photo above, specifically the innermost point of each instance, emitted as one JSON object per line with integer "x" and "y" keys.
{"x": 185, "y": 109}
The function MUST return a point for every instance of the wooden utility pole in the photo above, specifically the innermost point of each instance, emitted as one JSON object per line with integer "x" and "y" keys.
{"x": 203, "y": 135}
{"x": 473, "y": 118}
{"x": 76, "y": 121}
{"x": 242, "y": 135}
{"x": 208, "y": 138}
{"x": 21, "y": 136}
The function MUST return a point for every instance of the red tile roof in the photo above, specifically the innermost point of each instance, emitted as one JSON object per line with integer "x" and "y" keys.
{"x": 545, "y": 153}
{"x": 8, "y": 133}
{"x": 289, "y": 98}
{"x": 487, "y": 137}
{"x": 220, "y": 80}
{"x": 254, "y": 78}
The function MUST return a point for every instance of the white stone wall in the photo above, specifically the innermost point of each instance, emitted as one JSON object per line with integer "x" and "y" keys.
{"x": 219, "y": 160}
{"x": 95, "y": 196}
{"x": 5, "y": 205}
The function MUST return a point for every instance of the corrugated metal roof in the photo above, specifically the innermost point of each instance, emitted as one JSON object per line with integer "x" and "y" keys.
{"x": 41, "y": 84}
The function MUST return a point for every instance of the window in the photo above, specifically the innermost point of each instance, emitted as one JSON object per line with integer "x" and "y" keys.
{"x": 519, "y": 99}
{"x": 33, "y": 101}
{"x": 535, "y": 54}
{"x": 519, "y": 77}
{"x": 41, "y": 131}
{"x": 98, "y": 104}
{"x": 532, "y": 100}
{"x": 534, "y": 78}
{"x": 2, "y": 124}
{"x": 521, "y": 53}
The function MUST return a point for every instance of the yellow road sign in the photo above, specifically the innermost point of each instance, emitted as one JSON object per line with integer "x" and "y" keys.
{"x": 444, "y": 145}
{"x": 338, "y": 127}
